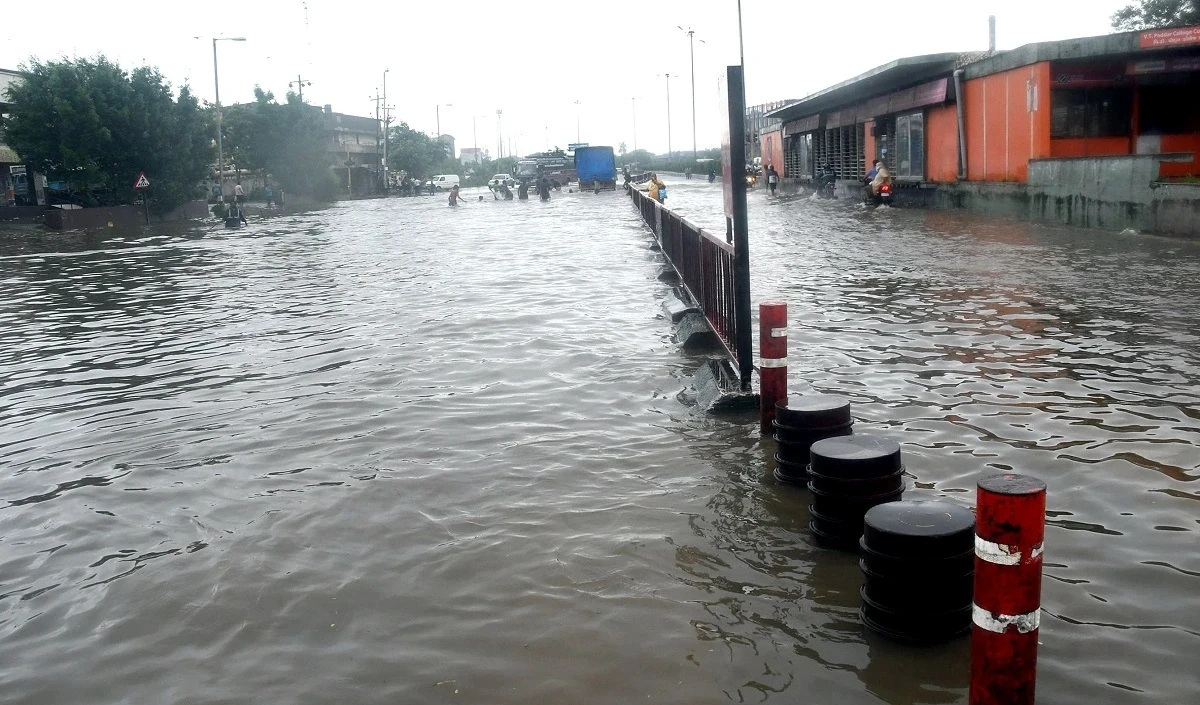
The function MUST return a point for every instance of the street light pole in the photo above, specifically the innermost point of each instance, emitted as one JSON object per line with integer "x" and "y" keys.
{"x": 499, "y": 134}
{"x": 668, "y": 113}
{"x": 692, "y": 52}
{"x": 577, "y": 122}
{"x": 634, "y": 99}
{"x": 386, "y": 176}
{"x": 217, "y": 90}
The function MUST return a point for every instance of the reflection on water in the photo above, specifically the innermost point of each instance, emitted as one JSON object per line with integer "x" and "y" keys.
{"x": 393, "y": 452}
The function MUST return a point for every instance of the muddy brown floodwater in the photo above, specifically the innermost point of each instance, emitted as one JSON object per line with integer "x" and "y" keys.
{"x": 391, "y": 452}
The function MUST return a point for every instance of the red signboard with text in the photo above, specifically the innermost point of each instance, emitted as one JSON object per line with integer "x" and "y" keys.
{"x": 1174, "y": 37}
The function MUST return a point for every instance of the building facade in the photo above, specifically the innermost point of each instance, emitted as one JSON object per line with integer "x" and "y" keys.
{"x": 355, "y": 152}
{"x": 472, "y": 155}
{"x": 1015, "y": 126}
{"x": 22, "y": 192}
{"x": 758, "y": 124}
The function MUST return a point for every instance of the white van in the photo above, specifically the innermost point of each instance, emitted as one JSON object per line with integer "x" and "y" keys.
{"x": 444, "y": 182}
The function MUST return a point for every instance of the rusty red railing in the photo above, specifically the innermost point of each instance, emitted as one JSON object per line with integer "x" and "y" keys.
{"x": 706, "y": 267}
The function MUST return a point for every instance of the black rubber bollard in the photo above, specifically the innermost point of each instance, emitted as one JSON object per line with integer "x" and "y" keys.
{"x": 848, "y": 475}
{"x": 800, "y": 422}
{"x": 918, "y": 568}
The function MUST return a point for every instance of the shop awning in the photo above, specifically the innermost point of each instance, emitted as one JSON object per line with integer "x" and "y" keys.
{"x": 889, "y": 77}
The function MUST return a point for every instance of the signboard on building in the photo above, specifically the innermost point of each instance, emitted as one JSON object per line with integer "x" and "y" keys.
{"x": 1174, "y": 37}
{"x": 1079, "y": 76}
{"x": 799, "y": 127}
{"x": 1183, "y": 63}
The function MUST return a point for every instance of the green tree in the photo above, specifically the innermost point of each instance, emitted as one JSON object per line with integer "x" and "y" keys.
{"x": 1152, "y": 14}
{"x": 286, "y": 141}
{"x": 621, "y": 150}
{"x": 88, "y": 122}
{"x": 418, "y": 154}
{"x": 641, "y": 157}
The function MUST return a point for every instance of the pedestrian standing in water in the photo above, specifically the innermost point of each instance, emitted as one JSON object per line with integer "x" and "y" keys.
{"x": 657, "y": 189}
{"x": 239, "y": 194}
{"x": 270, "y": 196}
{"x": 523, "y": 191}
{"x": 455, "y": 197}
{"x": 544, "y": 189}
{"x": 772, "y": 178}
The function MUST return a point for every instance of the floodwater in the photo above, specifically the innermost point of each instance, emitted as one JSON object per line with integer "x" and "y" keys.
{"x": 392, "y": 452}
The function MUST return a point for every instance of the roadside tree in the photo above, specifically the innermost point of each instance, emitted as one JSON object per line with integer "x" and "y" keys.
{"x": 89, "y": 123}
{"x": 1153, "y": 14}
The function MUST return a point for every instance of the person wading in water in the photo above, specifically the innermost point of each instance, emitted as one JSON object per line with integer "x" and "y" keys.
{"x": 455, "y": 197}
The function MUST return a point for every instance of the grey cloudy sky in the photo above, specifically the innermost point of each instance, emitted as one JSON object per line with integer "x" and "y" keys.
{"x": 534, "y": 60}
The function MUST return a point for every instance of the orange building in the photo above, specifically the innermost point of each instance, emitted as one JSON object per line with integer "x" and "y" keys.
{"x": 1116, "y": 108}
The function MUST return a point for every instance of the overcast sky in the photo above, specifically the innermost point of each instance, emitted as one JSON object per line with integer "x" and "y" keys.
{"x": 533, "y": 59}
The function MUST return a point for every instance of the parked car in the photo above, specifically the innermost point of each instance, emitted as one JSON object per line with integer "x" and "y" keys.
{"x": 502, "y": 179}
{"x": 444, "y": 182}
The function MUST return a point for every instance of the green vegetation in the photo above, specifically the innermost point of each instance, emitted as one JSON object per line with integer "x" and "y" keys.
{"x": 1152, "y": 14}
{"x": 678, "y": 162}
{"x": 285, "y": 141}
{"x": 89, "y": 123}
{"x": 418, "y": 154}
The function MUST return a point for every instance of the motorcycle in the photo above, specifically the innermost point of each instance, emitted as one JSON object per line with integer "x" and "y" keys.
{"x": 826, "y": 182}
{"x": 883, "y": 198}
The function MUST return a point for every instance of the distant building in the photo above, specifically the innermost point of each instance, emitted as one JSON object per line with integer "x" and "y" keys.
{"x": 447, "y": 144}
{"x": 472, "y": 155}
{"x": 355, "y": 151}
{"x": 1096, "y": 131}
{"x": 758, "y": 124}
{"x": 19, "y": 186}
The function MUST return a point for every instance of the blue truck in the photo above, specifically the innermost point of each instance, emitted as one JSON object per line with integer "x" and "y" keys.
{"x": 596, "y": 167}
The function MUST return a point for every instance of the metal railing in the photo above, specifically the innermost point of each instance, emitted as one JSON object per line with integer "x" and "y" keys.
{"x": 707, "y": 267}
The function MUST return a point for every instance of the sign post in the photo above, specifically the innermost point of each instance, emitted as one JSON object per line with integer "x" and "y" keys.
{"x": 733, "y": 169}
{"x": 143, "y": 184}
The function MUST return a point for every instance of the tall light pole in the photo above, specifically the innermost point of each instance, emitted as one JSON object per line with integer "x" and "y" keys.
{"x": 634, "y": 99}
{"x": 299, "y": 83}
{"x": 438, "y": 111}
{"x": 741, "y": 47}
{"x": 386, "y": 179}
{"x": 217, "y": 89}
{"x": 668, "y": 76}
{"x": 499, "y": 134}
{"x": 692, "y": 49}
{"x": 576, "y": 121}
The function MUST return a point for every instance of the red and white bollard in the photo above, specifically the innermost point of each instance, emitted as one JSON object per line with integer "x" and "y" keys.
{"x": 772, "y": 363}
{"x": 1010, "y": 525}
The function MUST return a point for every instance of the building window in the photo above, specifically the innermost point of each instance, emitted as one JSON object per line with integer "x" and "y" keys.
{"x": 842, "y": 149}
{"x": 909, "y": 158}
{"x": 797, "y": 158}
{"x": 1090, "y": 112}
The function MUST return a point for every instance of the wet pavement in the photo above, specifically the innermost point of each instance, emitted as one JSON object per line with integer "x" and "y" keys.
{"x": 396, "y": 452}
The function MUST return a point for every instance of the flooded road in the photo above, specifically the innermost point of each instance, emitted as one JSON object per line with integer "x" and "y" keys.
{"x": 391, "y": 452}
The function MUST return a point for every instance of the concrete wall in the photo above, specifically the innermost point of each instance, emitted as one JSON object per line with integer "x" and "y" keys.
{"x": 1007, "y": 119}
{"x": 1113, "y": 193}
{"x": 771, "y": 144}
{"x": 941, "y": 144}
{"x": 118, "y": 216}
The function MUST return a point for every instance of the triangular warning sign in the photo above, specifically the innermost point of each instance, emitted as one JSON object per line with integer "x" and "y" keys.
{"x": 142, "y": 181}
